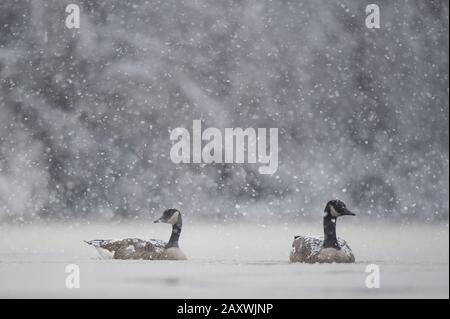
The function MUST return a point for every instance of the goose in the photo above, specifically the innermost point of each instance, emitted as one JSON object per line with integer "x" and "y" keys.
{"x": 327, "y": 249}
{"x": 151, "y": 249}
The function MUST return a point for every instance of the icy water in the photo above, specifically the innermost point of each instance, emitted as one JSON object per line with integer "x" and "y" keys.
{"x": 226, "y": 261}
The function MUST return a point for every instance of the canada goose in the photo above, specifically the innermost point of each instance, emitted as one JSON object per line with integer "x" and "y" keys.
{"x": 152, "y": 249}
{"x": 328, "y": 249}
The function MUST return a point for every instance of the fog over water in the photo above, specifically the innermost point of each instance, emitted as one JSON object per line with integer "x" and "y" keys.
{"x": 85, "y": 115}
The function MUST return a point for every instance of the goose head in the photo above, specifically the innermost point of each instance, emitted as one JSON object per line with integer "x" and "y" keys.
{"x": 336, "y": 208}
{"x": 170, "y": 216}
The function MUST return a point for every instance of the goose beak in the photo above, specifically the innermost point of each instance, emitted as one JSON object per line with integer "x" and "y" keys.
{"x": 158, "y": 221}
{"x": 345, "y": 211}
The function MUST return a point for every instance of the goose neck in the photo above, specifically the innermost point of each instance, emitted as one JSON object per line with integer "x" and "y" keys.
{"x": 175, "y": 236}
{"x": 329, "y": 228}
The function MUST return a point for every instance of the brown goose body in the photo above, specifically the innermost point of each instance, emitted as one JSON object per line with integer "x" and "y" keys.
{"x": 146, "y": 249}
{"x": 310, "y": 250}
{"x": 135, "y": 248}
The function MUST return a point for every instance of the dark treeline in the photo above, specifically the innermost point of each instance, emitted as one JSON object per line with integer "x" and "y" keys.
{"x": 85, "y": 114}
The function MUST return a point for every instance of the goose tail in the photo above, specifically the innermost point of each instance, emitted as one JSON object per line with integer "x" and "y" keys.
{"x": 95, "y": 242}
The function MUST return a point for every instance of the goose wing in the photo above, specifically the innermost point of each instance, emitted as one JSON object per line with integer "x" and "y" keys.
{"x": 305, "y": 248}
{"x": 346, "y": 250}
{"x": 308, "y": 249}
{"x": 130, "y": 248}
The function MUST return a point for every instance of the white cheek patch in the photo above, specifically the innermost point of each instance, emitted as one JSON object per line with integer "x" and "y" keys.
{"x": 174, "y": 219}
{"x": 333, "y": 211}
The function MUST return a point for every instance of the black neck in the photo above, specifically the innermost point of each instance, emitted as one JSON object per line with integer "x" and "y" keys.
{"x": 329, "y": 228}
{"x": 176, "y": 231}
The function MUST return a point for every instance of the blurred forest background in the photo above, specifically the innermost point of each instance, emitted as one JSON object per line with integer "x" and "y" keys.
{"x": 85, "y": 114}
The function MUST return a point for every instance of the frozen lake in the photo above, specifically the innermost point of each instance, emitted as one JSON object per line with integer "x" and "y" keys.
{"x": 225, "y": 261}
